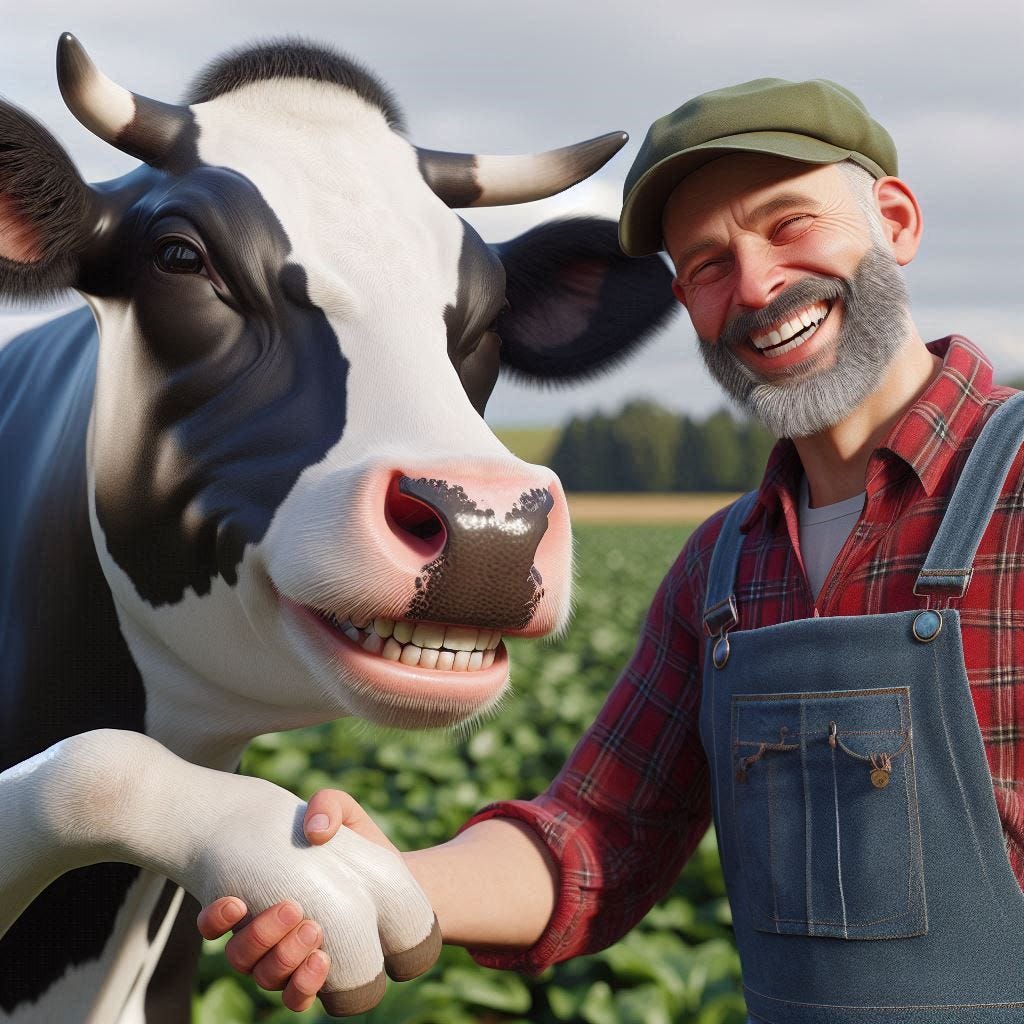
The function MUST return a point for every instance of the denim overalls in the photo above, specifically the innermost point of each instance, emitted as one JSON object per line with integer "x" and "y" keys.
{"x": 856, "y": 821}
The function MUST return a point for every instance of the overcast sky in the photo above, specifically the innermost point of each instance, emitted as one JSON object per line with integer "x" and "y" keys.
{"x": 482, "y": 76}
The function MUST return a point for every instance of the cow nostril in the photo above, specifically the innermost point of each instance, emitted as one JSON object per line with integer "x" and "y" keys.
{"x": 414, "y": 520}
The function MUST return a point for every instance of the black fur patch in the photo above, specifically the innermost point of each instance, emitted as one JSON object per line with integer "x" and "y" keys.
{"x": 292, "y": 58}
{"x": 39, "y": 180}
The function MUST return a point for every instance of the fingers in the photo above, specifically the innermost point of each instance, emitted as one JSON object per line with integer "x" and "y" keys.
{"x": 329, "y": 809}
{"x": 220, "y": 917}
{"x": 307, "y": 980}
{"x": 280, "y": 963}
{"x": 273, "y": 944}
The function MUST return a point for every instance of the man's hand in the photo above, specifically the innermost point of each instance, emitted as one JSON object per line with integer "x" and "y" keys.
{"x": 278, "y": 947}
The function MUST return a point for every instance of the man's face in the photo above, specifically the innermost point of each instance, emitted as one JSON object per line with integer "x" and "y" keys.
{"x": 798, "y": 308}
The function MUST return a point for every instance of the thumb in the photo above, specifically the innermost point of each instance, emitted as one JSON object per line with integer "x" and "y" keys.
{"x": 331, "y": 809}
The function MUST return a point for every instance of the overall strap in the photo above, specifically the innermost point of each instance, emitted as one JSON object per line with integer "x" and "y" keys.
{"x": 720, "y": 613}
{"x": 947, "y": 569}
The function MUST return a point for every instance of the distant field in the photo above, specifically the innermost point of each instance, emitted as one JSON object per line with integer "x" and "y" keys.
{"x": 646, "y": 508}
{"x": 531, "y": 444}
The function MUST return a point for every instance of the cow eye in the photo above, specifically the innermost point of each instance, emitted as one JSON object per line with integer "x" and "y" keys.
{"x": 177, "y": 256}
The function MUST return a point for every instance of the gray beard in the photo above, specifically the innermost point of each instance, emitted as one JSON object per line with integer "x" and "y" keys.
{"x": 815, "y": 396}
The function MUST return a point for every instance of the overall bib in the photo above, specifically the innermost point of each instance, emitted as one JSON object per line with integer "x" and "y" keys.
{"x": 853, "y": 802}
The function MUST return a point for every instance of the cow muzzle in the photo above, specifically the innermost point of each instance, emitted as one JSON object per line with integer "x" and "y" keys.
{"x": 433, "y": 566}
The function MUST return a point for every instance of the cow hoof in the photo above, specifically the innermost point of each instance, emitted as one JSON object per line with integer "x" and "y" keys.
{"x": 355, "y": 1000}
{"x": 413, "y": 962}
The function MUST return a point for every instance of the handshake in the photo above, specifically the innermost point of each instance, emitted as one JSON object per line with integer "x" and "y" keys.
{"x": 378, "y": 922}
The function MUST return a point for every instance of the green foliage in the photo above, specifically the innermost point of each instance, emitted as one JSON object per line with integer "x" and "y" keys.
{"x": 678, "y": 964}
{"x": 644, "y": 447}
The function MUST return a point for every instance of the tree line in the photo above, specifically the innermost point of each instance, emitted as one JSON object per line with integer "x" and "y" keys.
{"x": 645, "y": 447}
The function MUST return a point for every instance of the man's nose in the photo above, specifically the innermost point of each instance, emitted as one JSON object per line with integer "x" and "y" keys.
{"x": 759, "y": 277}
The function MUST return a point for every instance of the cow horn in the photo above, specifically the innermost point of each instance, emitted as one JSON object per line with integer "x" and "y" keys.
{"x": 465, "y": 179}
{"x": 141, "y": 127}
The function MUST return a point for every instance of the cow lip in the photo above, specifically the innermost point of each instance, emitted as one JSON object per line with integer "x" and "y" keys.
{"x": 344, "y": 644}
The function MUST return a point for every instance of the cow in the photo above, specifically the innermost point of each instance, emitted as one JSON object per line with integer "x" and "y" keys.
{"x": 250, "y": 488}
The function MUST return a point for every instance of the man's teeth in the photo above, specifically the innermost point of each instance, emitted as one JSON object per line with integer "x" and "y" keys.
{"x": 791, "y": 333}
{"x": 427, "y": 644}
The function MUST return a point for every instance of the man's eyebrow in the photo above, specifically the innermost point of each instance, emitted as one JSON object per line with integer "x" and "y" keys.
{"x": 782, "y": 202}
{"x": 691, "y": 250}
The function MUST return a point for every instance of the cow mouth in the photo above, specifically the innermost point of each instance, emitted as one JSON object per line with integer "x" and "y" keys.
{"x": 416, "y": 644}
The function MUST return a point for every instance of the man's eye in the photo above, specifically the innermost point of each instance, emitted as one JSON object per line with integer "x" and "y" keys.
{"x": 709, "y": 272}
{"x": 176, "y": 256}
{"x": 791, "y": 228}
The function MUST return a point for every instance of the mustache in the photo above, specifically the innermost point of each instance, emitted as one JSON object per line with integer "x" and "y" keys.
{"x": 805, "y": 292}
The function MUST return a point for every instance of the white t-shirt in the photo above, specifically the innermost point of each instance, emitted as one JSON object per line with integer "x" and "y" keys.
{"x": 823, "y": 531}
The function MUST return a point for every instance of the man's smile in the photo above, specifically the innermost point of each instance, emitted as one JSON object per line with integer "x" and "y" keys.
{"x": 789, "y": 334}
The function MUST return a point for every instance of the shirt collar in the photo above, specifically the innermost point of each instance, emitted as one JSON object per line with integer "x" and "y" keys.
{"x": 925, "y": 438}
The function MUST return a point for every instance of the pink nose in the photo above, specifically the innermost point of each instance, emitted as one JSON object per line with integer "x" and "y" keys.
{"x": 475, "y": 544}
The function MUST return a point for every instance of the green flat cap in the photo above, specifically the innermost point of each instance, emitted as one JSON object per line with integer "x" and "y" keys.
{"x": 816, "y": 122}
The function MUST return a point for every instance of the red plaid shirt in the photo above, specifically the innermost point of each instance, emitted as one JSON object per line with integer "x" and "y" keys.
{"x": 632, "y": 801}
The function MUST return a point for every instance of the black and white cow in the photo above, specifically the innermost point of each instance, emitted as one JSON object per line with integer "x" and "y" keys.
{"x": 260, "y": 495}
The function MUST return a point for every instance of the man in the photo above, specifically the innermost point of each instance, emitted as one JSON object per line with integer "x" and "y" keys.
{"x": 816, "y": 665}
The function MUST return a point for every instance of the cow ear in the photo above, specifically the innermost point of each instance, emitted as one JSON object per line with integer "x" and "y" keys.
{"x": 576, "y": 303}
{"x": 47, "y": 213}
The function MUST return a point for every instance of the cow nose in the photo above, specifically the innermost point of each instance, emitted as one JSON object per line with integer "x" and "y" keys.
{"x": 479, "y": 567}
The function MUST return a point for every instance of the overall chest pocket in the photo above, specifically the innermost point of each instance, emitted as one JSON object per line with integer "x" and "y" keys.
{"x": 826, "y": 815}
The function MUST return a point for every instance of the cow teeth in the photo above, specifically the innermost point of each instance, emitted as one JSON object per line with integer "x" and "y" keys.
{"x": 411, "y": 654}
{"x": 384, "y": 627}
{"x": 361, "y": 622}
{"x": 392, "y": 649}
{"x": 476, "y": 660}
{"x": 445, "y": 660}
{"x": 353, "y": 634}
{"x": 461, "y": 662}
{"x": 488, "y": 658}
{"x": 428, "y": 659}
{"x": 373, "y": 643}
{"x": 460, "y": 638}
{"x": 403, "y": 631}
{"x": 494, "y": 640}
{"x": 428, "y": 634}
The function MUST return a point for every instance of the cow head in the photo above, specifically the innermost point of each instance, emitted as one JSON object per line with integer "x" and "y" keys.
{"x": 293, "y": 493}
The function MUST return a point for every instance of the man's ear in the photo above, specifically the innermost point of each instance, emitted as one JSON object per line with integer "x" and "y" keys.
{"x": 901, "y": 217}
{"x": 47, "y": 213}
{"x": 576, "y": 303}
{"x": 679, "y": 292}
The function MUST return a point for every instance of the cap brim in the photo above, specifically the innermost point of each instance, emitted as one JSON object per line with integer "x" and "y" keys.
{"x": 640, "y": 222}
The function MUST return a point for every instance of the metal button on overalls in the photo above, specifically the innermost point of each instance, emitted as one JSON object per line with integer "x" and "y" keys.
{"x": 853, "y": 803}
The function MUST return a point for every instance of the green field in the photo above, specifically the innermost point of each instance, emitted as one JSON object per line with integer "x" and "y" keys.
{"x": 531, "y": 444}
{"x": 677, "y": 965}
